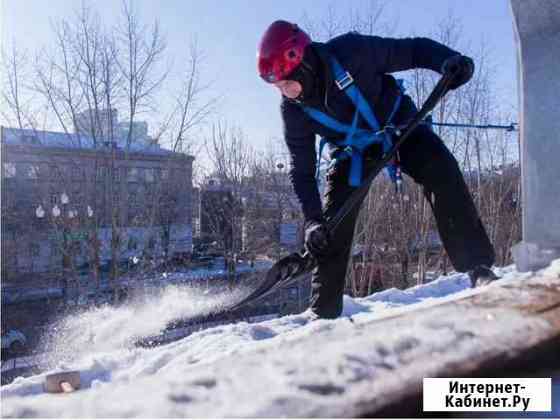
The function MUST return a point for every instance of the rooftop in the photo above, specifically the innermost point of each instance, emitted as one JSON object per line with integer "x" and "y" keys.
{"x": 40, "y": 138}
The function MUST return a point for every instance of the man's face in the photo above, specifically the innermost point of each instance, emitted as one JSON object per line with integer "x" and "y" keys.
{"x": 289, "y": 88}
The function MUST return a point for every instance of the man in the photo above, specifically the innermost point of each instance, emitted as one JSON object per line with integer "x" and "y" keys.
{"x": 321, "y": 84}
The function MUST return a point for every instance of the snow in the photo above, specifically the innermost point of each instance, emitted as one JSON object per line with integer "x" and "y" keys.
{"x": 286, "y": 366}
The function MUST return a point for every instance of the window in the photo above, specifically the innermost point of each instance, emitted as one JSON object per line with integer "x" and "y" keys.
{"x": 116, "y": 174}
{"x": 149, "y": 174}
{"x": 9, "y": 170}
{"x": 132, "y": 200}
{"x": 76, "y": 247}
{"x": 77, "y": 197}
{"x": 133, "y": 209}
{"x": 44, "y": 172}
{"x": 132, "y": 216}
{"x": 55, "y": 249}
{"x": 35, "y": 250}
{"x": 55, "y": 172}
{"x": 165, "y": 174}
{"x": 77, "y": 173}
{"x": 132, "y": 244}
{"x": 116, "y": 196}
{"x": 102, "y": 172}
{"x": 149, "y": 192}
{"x": 132, "y": 174}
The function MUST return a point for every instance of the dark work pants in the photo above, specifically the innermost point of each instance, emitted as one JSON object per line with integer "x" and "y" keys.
{"x": 427, "y": 160}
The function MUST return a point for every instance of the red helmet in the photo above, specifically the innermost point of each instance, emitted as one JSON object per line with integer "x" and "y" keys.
{"x": 281, "y": 50}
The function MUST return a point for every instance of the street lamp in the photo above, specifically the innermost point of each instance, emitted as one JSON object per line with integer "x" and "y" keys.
{"x": 56, "y": 211}
{"x": 39, "y": 212}
{"x": 64, "y": 198}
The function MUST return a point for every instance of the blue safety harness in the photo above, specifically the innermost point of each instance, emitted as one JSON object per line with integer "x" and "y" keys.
{"x": 357, "y": 140}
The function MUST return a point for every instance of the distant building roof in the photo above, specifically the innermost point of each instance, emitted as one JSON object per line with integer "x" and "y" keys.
{"x": 39, "y": 138}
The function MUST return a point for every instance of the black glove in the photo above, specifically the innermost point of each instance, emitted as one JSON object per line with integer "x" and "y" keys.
{"x": 316, "y": 239}
{"x": 461, "y": 67}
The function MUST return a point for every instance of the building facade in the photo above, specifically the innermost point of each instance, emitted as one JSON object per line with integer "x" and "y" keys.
{"x": 68, "y": 203}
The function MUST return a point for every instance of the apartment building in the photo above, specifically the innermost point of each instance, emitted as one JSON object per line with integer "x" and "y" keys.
{"x": 68, "y": 200}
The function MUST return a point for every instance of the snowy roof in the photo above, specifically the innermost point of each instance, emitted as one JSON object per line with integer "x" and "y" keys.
{"x": 311, "y": 368}
{"x": 40, "y": 138}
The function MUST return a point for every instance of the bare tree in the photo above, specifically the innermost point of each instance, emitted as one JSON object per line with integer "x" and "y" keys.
{"x": 141, "y": 52}
{"x": 77, "y": 85}
{"x": 16, "y": 91}
{"x": 231, "y": 158}
{"x": 369, "y": 18}
{"x": 273, "y": 204}
{"x": 190, "y": 111}
{"x": 57, "y": 79}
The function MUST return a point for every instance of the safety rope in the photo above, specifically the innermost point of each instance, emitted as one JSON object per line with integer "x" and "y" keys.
{"x": 511, "y": 127}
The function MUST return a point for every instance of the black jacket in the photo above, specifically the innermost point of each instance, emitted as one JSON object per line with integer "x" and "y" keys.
{"x": 368, "y": 59}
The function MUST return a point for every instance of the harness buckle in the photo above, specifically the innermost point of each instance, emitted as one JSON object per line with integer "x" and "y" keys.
{"x": 346, "y": 81}
{"x": 390, "y": 129}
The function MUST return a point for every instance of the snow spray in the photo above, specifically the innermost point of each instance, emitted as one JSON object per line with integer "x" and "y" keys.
{"x": 114, "y": 328}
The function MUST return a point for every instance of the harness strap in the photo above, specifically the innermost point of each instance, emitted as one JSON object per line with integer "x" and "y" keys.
{"x": 356, "y": 139}
{"x": 352, "y": 91}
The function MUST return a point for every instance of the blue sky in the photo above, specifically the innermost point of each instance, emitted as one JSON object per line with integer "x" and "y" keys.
{"x": 228, "y": 32}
